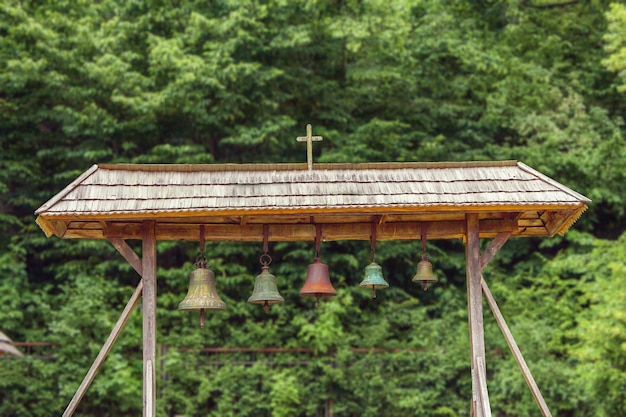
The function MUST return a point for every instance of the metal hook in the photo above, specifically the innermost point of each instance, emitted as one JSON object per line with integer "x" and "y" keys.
{"x": 373, "y": 242}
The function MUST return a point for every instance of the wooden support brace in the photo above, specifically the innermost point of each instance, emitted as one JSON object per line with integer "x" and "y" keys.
{"x": 135, "y": 262}
{"x": 517, "y": 354}
{"x": 494, "y": 246}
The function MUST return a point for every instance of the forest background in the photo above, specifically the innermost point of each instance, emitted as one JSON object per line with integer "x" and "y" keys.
{"x": 540, "y": 81}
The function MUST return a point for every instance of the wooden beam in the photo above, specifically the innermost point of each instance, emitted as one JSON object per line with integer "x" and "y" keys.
{"x": 494, "y": 246}
{"x": 475, "y": 309}
{"x": 126, "y": 251}
{"x": 517, "y": 354}
{"x": 52, "y": 227}
{"x": 149, "y": 316}
{"x": 556, "y": 221}
{"x": 104, "y": 351}
{"x": 306, "y": 232}
{"x": 135, "y": 262}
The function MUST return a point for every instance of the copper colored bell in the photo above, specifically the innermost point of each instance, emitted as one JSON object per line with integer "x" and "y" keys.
{"x": 424, "y": 272}
{"x": 202, "y": 294}
{"x": 373, "y": 278}
{"x": 317, "y": 283}
{"x": 265, "y": 291}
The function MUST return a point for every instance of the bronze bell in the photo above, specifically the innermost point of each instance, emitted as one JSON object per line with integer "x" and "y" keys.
{"x": 265, "y": 291}
{"x": 373, "y": 278}
{"x": 424, "y": 272}
{"x": 317, "y": 283}
{"x": 202, "y": 294}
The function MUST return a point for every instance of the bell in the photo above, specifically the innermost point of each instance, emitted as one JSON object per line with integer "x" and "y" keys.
{"x": 202, "y": 294}
{"x": 317, "y": 283}
{"x": 424, "y": 272}
{"x": 265, "y": 291}
{"x": 373, "y": 278}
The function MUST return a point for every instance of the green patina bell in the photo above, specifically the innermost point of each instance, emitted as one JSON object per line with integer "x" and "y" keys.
{"x": 202, "y": 294}
{"x": 265, "y": 291}
{"x": 373, "y": 278}
{"x": 424, "y": 273}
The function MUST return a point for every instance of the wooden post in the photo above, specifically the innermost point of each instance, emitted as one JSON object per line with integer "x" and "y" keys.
{"x": 475, "y": 314}
{"x": 149, "y": 317}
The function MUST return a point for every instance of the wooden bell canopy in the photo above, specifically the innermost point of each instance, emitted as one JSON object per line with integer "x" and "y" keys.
{"x": 292, "y": 202}
{"x": 233, "y": 201}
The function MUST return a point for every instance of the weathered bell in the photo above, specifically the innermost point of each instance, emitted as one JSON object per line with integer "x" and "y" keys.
{"x": 373, "y": 278}
{"x": 265, "y": 291}
{"x": 202, "y": 294}
{"x": 424, "y": 273}
{"x": 317, "y": 283}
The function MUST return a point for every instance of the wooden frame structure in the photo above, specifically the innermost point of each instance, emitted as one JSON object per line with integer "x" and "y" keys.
{"x": 468, "y": 201}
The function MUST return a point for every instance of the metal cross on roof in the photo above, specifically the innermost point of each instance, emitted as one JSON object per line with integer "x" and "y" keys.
{"x": 309, "y": 139}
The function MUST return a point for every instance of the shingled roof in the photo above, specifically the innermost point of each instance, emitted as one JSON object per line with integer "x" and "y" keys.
{"x": 6, "y": 346}
{"x": 109, "y": 200}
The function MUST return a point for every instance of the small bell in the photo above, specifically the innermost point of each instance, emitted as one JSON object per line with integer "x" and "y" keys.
{"x": 424, "y": 273}
{"x": 373, "y": 278}
{"x": 202, "y": 294}
{"x": 317, "y": 283}
{"x": 265, "y": 291}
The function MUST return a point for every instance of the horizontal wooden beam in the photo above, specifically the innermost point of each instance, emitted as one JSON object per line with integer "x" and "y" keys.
{"x": 321, "y": 211}
{"x": 302, "y": 232}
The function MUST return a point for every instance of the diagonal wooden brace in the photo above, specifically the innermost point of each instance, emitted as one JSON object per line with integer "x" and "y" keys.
{"x": 135, "y": 262}
{"x": 485, "y": 258}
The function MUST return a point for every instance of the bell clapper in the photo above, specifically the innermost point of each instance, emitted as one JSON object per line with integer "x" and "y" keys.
{"x": 202, "y": 318}
{"x": 425, "y": 286}
{"x": 266, "y": 306}
{"x": 318, "y": 296}
{"x": 373, "y": 292}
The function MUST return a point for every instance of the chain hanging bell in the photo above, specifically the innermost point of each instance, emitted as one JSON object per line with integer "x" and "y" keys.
{"x": 202, "y": 294}
{"x": 424, "y": 274}
{"x": 317, "y": 283}
{"x": 265, "y": 291}
{"x": 373, "y": 277}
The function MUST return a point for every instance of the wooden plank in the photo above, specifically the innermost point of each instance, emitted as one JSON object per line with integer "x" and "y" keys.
{"x": 494, "y": 246}
{"x": 52, "y": 227}
{"x": 517, "y": 354}
{"x": 84, "y": 234}
{"x": 531, "y": 223}
{"x": 531, "y": 214}
{"x": 365, "y": 210}
{"x": 474, "y": 305}
{"x": 306, "y": 232}
{"x": 149, "y": 317}
{"x": 532, "y": 232}
{"x": 131, "y": 257}
{"x": 104, "y": 351}
{"x": 556, "y": 221}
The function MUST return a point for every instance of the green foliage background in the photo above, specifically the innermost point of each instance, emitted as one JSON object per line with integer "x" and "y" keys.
{"x": 541, "y": 81}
